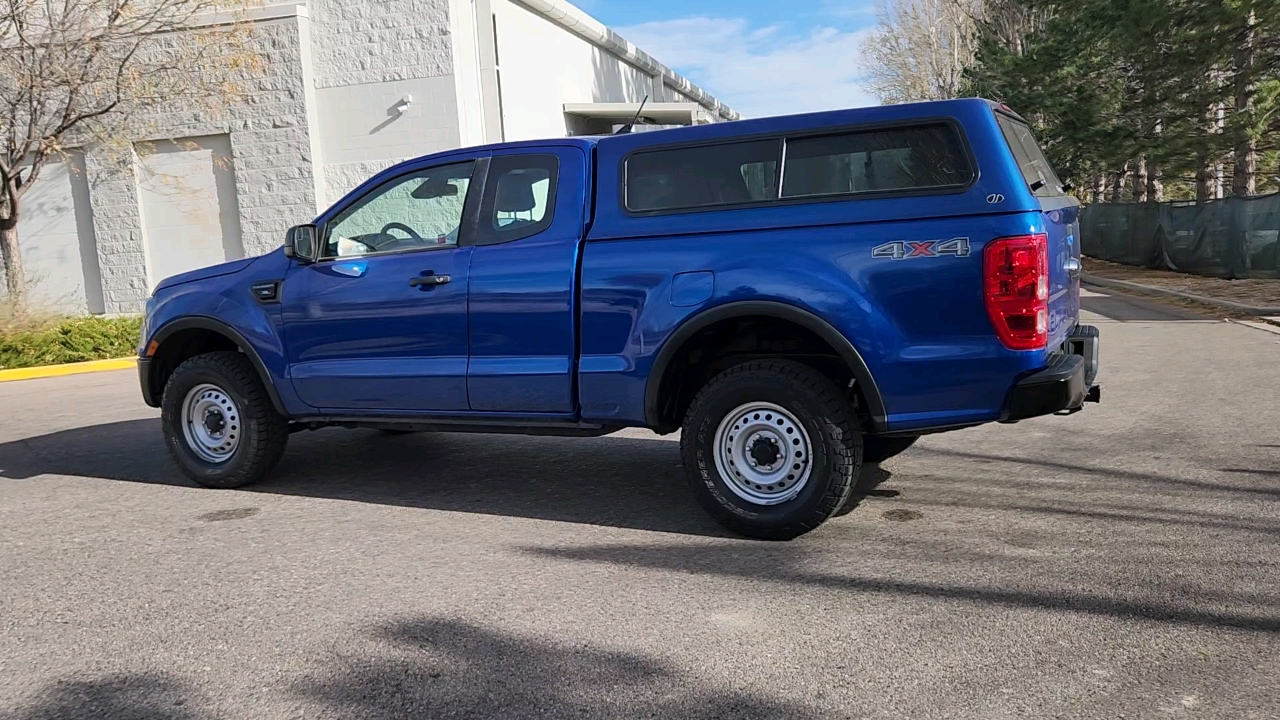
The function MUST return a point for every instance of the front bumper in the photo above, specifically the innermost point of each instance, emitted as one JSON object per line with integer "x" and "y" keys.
{"x": 1063, "y": 387}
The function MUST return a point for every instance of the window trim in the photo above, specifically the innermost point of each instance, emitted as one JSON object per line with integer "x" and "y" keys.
{"x": 784, "y": 136}
{"x": 485, "y": 234}
{"x": 464, "y": 227}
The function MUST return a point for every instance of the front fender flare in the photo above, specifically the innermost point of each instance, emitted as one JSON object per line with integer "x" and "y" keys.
{"x": 214, "y": 325}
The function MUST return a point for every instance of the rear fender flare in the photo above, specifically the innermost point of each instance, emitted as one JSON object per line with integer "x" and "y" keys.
{"x": 861, "y": 373}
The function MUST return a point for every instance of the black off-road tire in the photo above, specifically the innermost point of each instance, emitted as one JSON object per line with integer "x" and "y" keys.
{"x": 878, "y": 449}
{"x": 827, "y": 417}
{"x": 264, "y": 432}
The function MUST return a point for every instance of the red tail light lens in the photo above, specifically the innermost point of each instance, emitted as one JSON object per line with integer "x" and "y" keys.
{"x": 1016, "y": 289}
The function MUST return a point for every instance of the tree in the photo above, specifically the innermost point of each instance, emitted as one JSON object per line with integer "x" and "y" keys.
{"x": 921, "y": 48}
{"x": 1174, "y": 90}
{"x": 84, "y": 73}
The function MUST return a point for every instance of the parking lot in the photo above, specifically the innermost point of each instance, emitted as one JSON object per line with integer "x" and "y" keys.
{"x": 1123, "y": 562}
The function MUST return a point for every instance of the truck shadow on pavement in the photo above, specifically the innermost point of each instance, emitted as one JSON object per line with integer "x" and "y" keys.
{"x": 613, "y": 481}
{"x": 1127, "y": 601}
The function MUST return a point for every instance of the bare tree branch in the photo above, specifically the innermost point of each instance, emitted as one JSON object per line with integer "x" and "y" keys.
{"x": 88, "y": 73}
{"x": 921, "y": 48}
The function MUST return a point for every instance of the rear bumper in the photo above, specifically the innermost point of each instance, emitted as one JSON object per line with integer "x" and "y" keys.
{"x": 1063, "y": 387}
{"x": 144, "y": 377}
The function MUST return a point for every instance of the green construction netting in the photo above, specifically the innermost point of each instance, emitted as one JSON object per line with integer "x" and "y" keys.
{"x": 1233, "y": 238}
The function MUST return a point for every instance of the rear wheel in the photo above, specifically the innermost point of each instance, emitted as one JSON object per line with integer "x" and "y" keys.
{"x": 771, "y": 449}
{"x": 878, "y": 449}
{"x": 219, "y": 424}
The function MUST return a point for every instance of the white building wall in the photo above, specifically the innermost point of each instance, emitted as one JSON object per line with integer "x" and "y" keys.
{"x": 542, "y": 66}
{"x": 368, "y": 56}
{"x": 465, "y": 27}
{"x": 324, "y": 115}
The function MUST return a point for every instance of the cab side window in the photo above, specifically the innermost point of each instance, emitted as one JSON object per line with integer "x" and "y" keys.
{"x": 419, "y": 211}
{"x": 520, "y": 198}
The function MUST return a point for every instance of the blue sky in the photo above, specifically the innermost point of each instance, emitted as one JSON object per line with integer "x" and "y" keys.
{"x": 760, "y": 57}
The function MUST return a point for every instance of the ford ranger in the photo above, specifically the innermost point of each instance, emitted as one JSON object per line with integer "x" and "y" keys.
{"x": 796, "y": 295}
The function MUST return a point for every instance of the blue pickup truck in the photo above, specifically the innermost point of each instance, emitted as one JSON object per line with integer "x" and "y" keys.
{"x": 796, "y": 295}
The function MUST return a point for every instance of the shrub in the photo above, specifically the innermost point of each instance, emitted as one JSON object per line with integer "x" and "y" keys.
{"x": 28, "y": 342}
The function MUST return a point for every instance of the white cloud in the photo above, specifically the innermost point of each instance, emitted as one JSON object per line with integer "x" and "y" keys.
{"x": 761, "y": 71}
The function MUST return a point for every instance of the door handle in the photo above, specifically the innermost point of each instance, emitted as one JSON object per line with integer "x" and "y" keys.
{"x": 427, "y": 282}
{"x": 1072, "y": 266}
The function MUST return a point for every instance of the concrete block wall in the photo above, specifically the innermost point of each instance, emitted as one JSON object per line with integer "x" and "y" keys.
{"x": 271, "y": 154}
{"x": 374, "y": 41}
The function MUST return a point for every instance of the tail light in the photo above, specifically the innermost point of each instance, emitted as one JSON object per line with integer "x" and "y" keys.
{"x": 1016, "y": 288}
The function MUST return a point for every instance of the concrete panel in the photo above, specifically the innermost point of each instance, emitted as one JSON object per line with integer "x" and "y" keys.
{"x": 543, "y": 66}
{"x": 364, "y": 128}
{"x": 55, "y": 232}
{"x": 188, "y": 206}
{"x": 368, "y": 123}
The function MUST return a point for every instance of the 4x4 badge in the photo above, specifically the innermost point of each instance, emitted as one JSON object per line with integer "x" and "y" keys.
{"x": 907, "y": 249}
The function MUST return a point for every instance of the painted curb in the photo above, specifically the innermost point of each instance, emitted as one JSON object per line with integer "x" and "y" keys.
{"x": 1264, "y": 327}
{"x": 1125, "y": 285}
{"x": 67, "y": 369}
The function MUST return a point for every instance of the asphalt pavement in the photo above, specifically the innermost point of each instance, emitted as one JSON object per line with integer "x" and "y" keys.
{"x": 1122, "y": 562}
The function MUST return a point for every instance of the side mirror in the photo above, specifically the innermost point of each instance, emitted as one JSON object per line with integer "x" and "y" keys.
{"x": 300, "y": 243}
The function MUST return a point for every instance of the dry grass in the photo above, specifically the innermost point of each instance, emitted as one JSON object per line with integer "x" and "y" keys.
{"x": 1255, "y": 292}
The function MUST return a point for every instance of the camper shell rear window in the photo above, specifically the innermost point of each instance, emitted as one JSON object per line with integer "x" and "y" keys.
{"x": 1032, "y": 163}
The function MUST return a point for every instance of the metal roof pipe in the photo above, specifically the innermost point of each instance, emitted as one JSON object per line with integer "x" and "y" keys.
{"x": 593, "y": 31}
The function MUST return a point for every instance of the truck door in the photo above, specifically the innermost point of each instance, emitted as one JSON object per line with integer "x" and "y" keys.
{"x": 379, "y": 322}
{"x": 523, "y": 305}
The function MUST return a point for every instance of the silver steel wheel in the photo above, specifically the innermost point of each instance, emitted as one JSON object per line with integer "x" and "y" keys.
{"x": 763, "y": 453}
{"x": 211, "y": 423}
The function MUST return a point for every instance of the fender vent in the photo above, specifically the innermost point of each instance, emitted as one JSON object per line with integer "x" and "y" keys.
{"x": 266, "y": 292}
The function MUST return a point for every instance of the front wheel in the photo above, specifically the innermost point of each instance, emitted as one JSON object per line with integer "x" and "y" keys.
{"x": 771, "y": 449}
{"x": 219, "y": 424}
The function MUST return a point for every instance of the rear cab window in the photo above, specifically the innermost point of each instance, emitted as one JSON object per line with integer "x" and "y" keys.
{"x": 1035, "y": 168}
{"x": 919, "y": 158}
